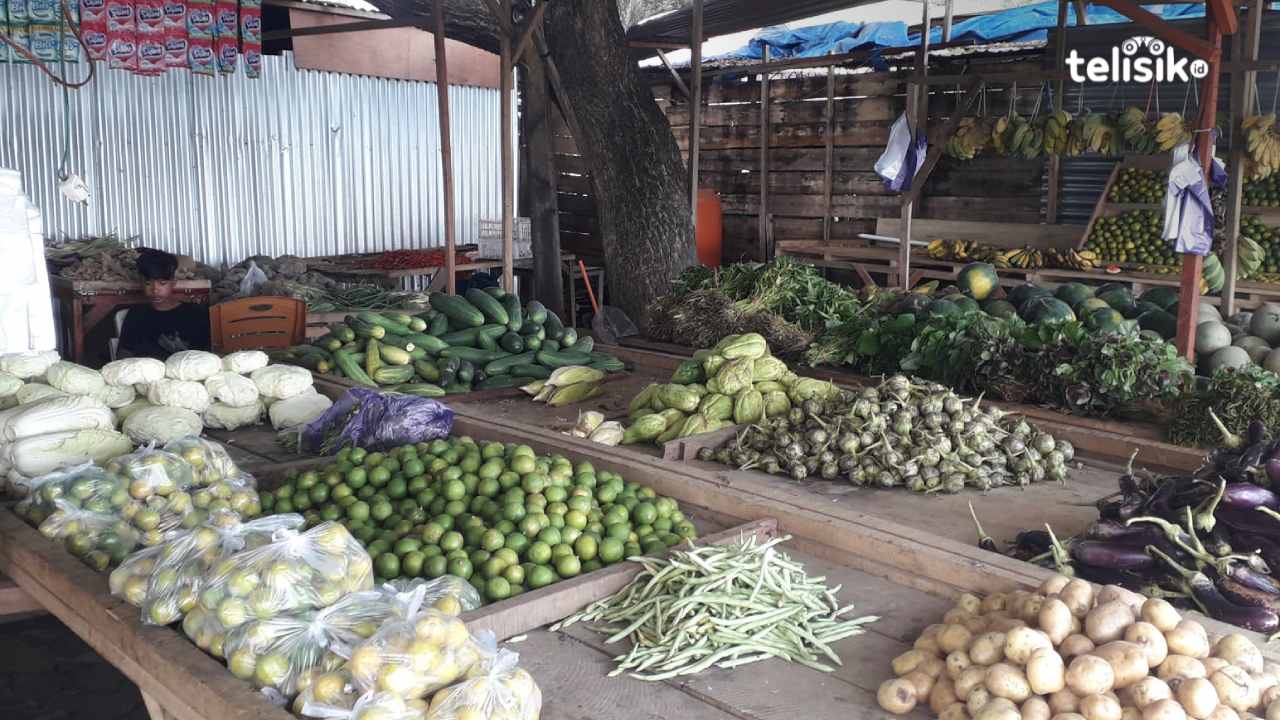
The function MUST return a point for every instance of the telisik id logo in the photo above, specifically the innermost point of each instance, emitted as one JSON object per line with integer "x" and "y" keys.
{"x": 1139, "y": 59}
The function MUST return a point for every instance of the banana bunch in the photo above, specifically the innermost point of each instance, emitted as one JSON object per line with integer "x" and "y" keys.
{"x": 950, "y": 249}
{"x": 1212, "y": 275}
{"x": 1250, "y": 257}
{"x": 1057, "y": 130}
{"x": 972, "y": 135}
{"x": 1025, "y": 258}
{"x": 1262, "y": 145}
{"x": 1072, "y": 259}
{"x": 1001, "y": 133}
{"x": 1138, "y": 133}
{"x": 1171, "y": 131}
{"x": 1094, "y": 132}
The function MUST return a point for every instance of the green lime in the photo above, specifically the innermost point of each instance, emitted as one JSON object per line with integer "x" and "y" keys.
{"x": 549, "y": 535}
{"x": 556, "y": 494}
{"x": 411, "y": 563}
{"x": 539, "y": 553}
{"x": 620, "y": 531}
{"x": 497, "y": 588}
{"x": 645, "y": 513}
{"x": 533, "y": 483}
{"x": 451, "y": 540}
{"x": 523, "y": 464}
{"x": 541, "y": 576}
{"x": 568, "y": 566}
{"x": 432, "y": 532}
{"x": 493, "y": 567}
{"x": 516, "y": 542}
{"x": 407, "y": 545}
{"x": 492, "y": 540}
{"x": 611, "y": 550}
{"x": 379, "y": 476}
{"x": 397, "y": 488}
{"x": 387, "y": 566}
{"x": 569, "y": 535}
{"x": 587, "y": 547}
{"x": 436, "y": 566}
{"x": 357, "y": 477}
{"x": 575, "y": 519}
{"x": 358, "y": 511}
{"x": 460, "y": 567}
{"x": 413, "y": 468}
{"x": 514, "y": 574}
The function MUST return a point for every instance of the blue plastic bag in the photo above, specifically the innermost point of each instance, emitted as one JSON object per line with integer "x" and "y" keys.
{"x": 376, "y": 421}
{"x": 1188, "y": 212}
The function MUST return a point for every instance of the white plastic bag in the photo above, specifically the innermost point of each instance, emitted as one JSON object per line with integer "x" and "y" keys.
{"x": 123, "y": 413}
{"x": 209, "y": 460}
{"x": 415, "y": 656}
{"x": 254, "y": 278}
{"x": 133, "y": 371}
{"x": 9, "y": 384}
{"x": 282, "y": 381}
{"x": 74, "y": 379}
{"x": 1188, "y": 212}
{"x": 245, "y": 361}
{"x": 369, "y": 706}
{"x": 903, "y": 155}
{"x": 161, "y": 424}
{"x": 186, "y": 394}
{"x": 129, "y": 581}
{"x": 193, "y": 365}
{"x": 230, "y": 388}
{"x": 298, "y": 410}
{"x": 495, "y": 689}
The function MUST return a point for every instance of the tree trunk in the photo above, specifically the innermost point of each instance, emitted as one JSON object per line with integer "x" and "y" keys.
{"x": 540, "y": 183}
{"x": 637, "y": 173}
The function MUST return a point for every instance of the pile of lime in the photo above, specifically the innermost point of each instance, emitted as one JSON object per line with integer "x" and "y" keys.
{"x": 1132, "y": 237}
{"x": 1135, "y": 185}
{"x": 1263, "y": 193}
{"x": 498, "y": 515}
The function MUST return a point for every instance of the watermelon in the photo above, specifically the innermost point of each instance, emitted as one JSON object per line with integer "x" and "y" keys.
{"x": 978, "y": 280}
{"x": 1073, "y": 293}
{"x": 1000, "y": 309}
{"x": 942, "y": 306}
{"x": 1089, "y": 305}
{"x": 1211, "y": 337}
{"x": 1104, "y": 320}
{"x": 1229, "y": 357}
{"x": 913, "y": 303}
{"x": 1021, "y": 294}
{"x": 1272, "y": 361}
{"x": 966, "y": 304}
{"x": 1144, "y": 306}
{"x": 1117, "y": 296}
{"x": 1265, "y": 323}
{"x": 1047, "y": 309}
{"x": 1254, "y": 345}
{"x": 1165, "y": 297}
{"x": 1108, "y": 287}
{"x": 1160, "y": 322}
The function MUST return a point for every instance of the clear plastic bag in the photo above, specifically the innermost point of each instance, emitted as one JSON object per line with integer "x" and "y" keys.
{"x": 159, "y": 485}
{"x": 209, "y": 461}
{"x": 129, "y": 581}
{"x": 86, "y": 485}
{"x": 448, "y": 594}
{"x": 370, "y": 706}
{"x": 99, "y": 539}
{"x": 495, "y": 689}
{"x": 325, "y": 691}
{"x": 237, "y": 493}
{"x": 415, "y": 656}
{"x": 179, "y": 574}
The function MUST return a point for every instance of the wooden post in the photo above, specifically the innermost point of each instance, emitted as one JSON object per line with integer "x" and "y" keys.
{"x": 1193, "y": 265}
{"x": 946, "y": 21}
{"x": 540, "y": 183}
{"x": 830, "y": 157}
{"x": 675, "y": 76}
{"x": 918, "y": 111}
{"x": 765, "y": 132}
{"x": 695, "y": 108}
{"x": 508, "y": 156}
{"x": 1055, "y": 161}
{"x": 1244, "y": 47}
{"x": 446, "y": 152}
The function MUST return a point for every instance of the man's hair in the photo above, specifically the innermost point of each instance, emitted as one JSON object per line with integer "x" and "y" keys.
{"x": 157, "y": 264}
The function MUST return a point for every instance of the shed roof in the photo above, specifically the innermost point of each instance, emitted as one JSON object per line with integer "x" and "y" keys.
{"x": 669, "y": 20}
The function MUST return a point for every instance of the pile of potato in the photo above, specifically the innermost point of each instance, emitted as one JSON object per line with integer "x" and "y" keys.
{"x": 1067, "y": 652}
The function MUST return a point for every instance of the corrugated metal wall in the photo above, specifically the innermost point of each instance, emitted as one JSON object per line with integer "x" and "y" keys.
{"x": 300, "y": 162}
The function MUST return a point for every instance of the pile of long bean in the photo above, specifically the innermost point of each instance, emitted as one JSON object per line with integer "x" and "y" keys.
{"x": 721, "y": 606}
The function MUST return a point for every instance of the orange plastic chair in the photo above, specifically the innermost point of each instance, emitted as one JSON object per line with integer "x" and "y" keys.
{"x": 257, "y": 322}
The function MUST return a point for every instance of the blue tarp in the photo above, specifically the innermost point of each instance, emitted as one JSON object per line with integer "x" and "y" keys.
{"x": 1023, "y": 24}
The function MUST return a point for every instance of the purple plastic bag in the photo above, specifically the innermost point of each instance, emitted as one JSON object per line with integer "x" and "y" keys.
{"x": 376, "y": 421}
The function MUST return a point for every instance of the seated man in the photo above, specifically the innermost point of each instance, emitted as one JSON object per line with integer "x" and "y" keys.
{"x": 166, "y": 325}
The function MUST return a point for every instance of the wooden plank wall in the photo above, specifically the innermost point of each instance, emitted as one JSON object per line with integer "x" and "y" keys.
{"x": 865, "y": 107}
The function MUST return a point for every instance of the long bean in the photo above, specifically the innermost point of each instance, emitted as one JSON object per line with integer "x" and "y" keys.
{"x": 721, "y": 606}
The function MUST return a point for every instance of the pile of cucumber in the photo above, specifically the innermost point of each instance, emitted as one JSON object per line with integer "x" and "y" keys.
{"x": 484, "y": 340}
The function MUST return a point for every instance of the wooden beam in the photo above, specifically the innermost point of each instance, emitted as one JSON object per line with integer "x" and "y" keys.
{"x": 1055, "y": 161}
{"x": 828, "y": 165}
{"x": 358, "y": 26}
{"x": 1163, "y": 29}
{"x": 446, "y": 152}
{"x": 675, "y": 76}
{"x": 1245, "y": 46}
{"x": 527, "y": 33}
{"x": 508, "y": 156}
{"x": 940, "y": 141}
{"x": 765, "y": 132}
{"x": 651, "y": 45}
{"x": 918, "y": 107}
{"x": 1223, "y": 13}
{"x": 1082, "y": 12}
{"x": 695, "y": 109}
{"x": 496, "y": 10}
{"x": 15, "y": 601}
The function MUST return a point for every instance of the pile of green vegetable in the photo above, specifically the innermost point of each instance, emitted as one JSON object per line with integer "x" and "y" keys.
{"x": 483, "y": 341}
{"x": 498, "y": 515}
{"x": 899, "y": 434}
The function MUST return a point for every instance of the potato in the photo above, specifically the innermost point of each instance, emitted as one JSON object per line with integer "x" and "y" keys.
{"x": 1129, "y": 712}
{"x": 957, "y": 616}
{"x": 1006, "y": 681}
{"x": 1021, "y": 642}
{"x": 1270, "y": 695}
{"x": 996, "y": 710}
{"x": 1055, "y": 620}
{"x": 972, "y": 677}
{"x": 1111, "y": 593}
{"x": 933, "y": 666}
{"x": 969, "y": 602}
{"x": 1164, "y": 710}
{"x": 1100, "y": 707}
{"x": 923, "y": 683}
{"x": 928, "y": 644}
{"x": 995, "y": 602}
{"x": 1064, "y": 701}
{"x": 1235, "y": 689}
{"x": 1035, "y": 708}
{"x": 953, "y": 638}
{"x": 1078, "y": 596}
{"x": 1089, "y": 675}
{"x": 978, "y": 697}
{"x": 956, "y": 663}
{"x": 987, "y": 648}
{"x": 1053, "y": 585}
{"x": 1197, "y": 696}
{"x": 908, "y": 661}
{"x": 1265, "y": 681}
{"x": 1160, "y": 613}
{"x": 1273, "y": 711}
{"x": 1128, "y": 661}
{"x": 1148, "y": 690}
{"x": 943, "y": 695}
{"x": 1108, "y": 622}
{"x": 1046, "y": 673}
{"x": 977, "y": 624}
{"x": 1222, "y": 712}
{"x": 1075, "y": 644}
{"x": 1001, "y": 623}
{"x": 897, "y": 696}
{"x": 1188, "y": 638}
{"x": 954, "y": 712}
{"x": 1180, "y": 667}
{"x": 1150, "y": 639}
{"x": 1068, "y": 716}
{"x": 1213, "y": 665}
{"x": 1239, "y": 651}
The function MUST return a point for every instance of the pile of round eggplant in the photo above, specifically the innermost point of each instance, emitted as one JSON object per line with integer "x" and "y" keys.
{"x": 1210, "y": 540}
{"x": 916, "y": 435}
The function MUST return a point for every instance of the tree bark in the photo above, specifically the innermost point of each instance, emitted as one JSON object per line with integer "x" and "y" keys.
{"x": 540, "y": 183}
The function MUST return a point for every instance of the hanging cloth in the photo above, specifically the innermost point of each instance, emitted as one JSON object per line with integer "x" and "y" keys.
{"x": 903, "y": 156}
{"x": 1188, "y": 212}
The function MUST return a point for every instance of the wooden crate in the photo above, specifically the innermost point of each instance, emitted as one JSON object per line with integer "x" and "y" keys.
{"x": 1105, "y": 208}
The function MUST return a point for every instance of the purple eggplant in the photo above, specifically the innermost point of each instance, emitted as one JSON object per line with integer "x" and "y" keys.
{"x": 1250, "y": 521}
{"x": 1241, "y": 573}
{"x": 1273, "y": 471}
{"x": 1134, "y": 581}
{"x": 1141, "y": 534}
{"x": 1263, "y": 546}
{"x": 1258, "y": 619}
{"x": 1241, "y": 594}
{"x": 1119, "y": 556}
{"x": 1247, "y": 496}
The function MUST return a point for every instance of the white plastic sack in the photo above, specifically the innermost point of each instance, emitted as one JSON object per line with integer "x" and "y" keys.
{"x": 9, "y": 384}
{"x": 162, "y": 424}
{"x": 245, "y": 361}
{"x": 123, "y": 413}
{"x": 74, "y": 379}
{"x": 133, "y": 371}
{"x": 187, "y": 394}
{"x": 282, "y": 381}
{"x": 194, "y": 365}
{"x": 298, "y": 410}
{"x": 228, "y": 417}
{"x": 42, "y": 454}
{"x": 74, "y": 412}
{"x": 254, "y": 278}
{"x": 29, "y": 364}
{"x": 230, "y": 388}
{"x": 115, "y": 396}
{"x": 34, "y": 392}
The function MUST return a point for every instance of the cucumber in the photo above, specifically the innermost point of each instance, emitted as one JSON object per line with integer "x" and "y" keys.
{"x": 352, "y": 347}
{"x": 503, "y": 365}
{"x": 486, "y": 342}
{"x": 448, "y": 378}
{"x": 364, "y": 330}
{"x": 488, "y": 305}
{"x": 427, "y": 370}
{"x": 314, "y": 363}
{"x": 569, "y": 337}
{"x": 401, "y": 341}
{"x": 511, "y": 342}
{"x": 466, "y": 372}
{"x": 457, "y": 389}
{"x": 343, "y": 332}
{"x": 515, "y": 314}
{"x": 450, "y": 365}
{"x": 358, "y": 357}
{"x": 392, "y": 355}
{"x": 329, "y": 343}
{"x": 555, "y": 328}
{"x": 430, "y": 343}
{"x": 349, "y": 367}
{"x": 496, "y": 291}
{"x": 612, "y": 364}
{"x": 386, "y": 323}
{"x": 473, "y": 355}
{"x": 457, "y": 309}
{"x": 393, "y": 375}
{"x": 372, "y": 356}
{"x": 426, "y": 390}
{"x": 461, "y": 338}
{"x": 401, "y": 318}
{"x": 531, "y": 330}
{"x": 501, "y": 382}
{"x": 417, "y": 324}
{"x": 418, "y": 353}
{"x": 537, "y": 372}
{"x": 439, "y": 325}
{"x": 562, "y": 359}
{"x": 550, "y": 345}
{"x": 533, "y": 342}
{"x": 585, "y": 344}
{"x": 537, "y": 312}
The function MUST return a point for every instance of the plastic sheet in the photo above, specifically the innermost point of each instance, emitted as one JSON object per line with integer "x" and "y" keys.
{"x": 376, "y": 421}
